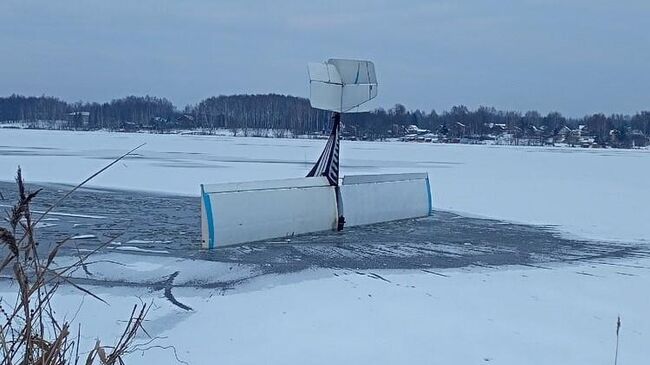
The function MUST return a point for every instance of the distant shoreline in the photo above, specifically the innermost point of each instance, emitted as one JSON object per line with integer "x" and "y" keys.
{"x": 274, "y": 134}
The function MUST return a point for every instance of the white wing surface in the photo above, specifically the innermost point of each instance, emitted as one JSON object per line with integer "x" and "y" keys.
{"x": 342, "y": 85}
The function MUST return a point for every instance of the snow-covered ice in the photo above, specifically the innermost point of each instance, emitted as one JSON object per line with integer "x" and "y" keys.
{"x": 511, "y": 315}
{"x": 83, "y": 237}
{"x": 589, "y": 193}
{"x": 564, "y": 315}
{"x": 138, "y": 249}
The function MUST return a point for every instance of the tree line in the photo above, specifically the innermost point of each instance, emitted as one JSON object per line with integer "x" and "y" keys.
{"x": 243, "y": 113}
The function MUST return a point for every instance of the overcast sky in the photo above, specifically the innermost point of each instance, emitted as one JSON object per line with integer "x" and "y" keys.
{"x": 573, "y": 56}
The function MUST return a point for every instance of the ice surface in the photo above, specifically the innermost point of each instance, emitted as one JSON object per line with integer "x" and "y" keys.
{"x": 138, "y": 249}
{"x": 513, "y": 316}
{"x": 589, "y": 193}
{"x": 59, "y": 214}
{"x": 560, "y": 314}
{"x": 136, "y": 269}
{"x": 83, "y": 237}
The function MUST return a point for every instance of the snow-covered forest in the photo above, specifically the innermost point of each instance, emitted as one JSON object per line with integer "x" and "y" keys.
{"x": 246, "y": 113}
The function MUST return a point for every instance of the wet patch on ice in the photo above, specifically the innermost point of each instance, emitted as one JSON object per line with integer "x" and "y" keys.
{"x": 161, "y": 226}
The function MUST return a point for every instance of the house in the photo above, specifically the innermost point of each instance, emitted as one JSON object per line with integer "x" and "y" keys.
{"x": 582, "y": 129}
{"x": 564, "y": 131}
{"x": 638, "y": 139}
{"x": 410, "y": 137}
{"x": 157, "y": 123}
{"x": 587, "y": 142}
{"x": 349, "y": 132}
{"x": 457, "y": 129}
{"x": 534, "y": 130}
{"x": 497, "y": 128}
{"x": 560, "y": 135}
{"x": 430, "y": 137}
{"x": 129, "y": 126}
{"x": 515, "y": 131}
{"x": 79, "y": 118}
{"x": 414, "y": 129}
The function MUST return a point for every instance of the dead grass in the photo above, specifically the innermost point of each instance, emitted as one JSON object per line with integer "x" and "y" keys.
{"x": 32, "y": 332}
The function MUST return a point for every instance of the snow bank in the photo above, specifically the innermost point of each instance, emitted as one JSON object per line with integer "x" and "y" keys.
{"x": 598, "y": 194}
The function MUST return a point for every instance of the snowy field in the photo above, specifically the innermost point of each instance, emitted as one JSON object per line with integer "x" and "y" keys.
{"x": 562, "y": 313}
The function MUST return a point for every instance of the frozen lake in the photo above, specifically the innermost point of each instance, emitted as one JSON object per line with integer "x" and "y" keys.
{"x": 593, "y": 194}
{"x": 166, "y": 225}
{"x": 530, "y": 256}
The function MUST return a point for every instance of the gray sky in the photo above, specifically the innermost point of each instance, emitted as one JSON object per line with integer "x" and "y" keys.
{"x": 573, "y": 56}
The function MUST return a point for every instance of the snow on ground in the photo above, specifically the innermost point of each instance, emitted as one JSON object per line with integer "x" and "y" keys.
{"x": 513, "y": 315}
{"x": 143, "y": 270}
{"x": 596, "y": 194}
{"x": 564, "y": 315}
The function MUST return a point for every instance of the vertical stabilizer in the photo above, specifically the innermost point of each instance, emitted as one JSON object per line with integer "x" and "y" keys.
{"x": 328, "y": 162}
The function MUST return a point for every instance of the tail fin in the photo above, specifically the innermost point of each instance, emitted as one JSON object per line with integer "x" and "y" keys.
{"x": 328, "y": 162}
